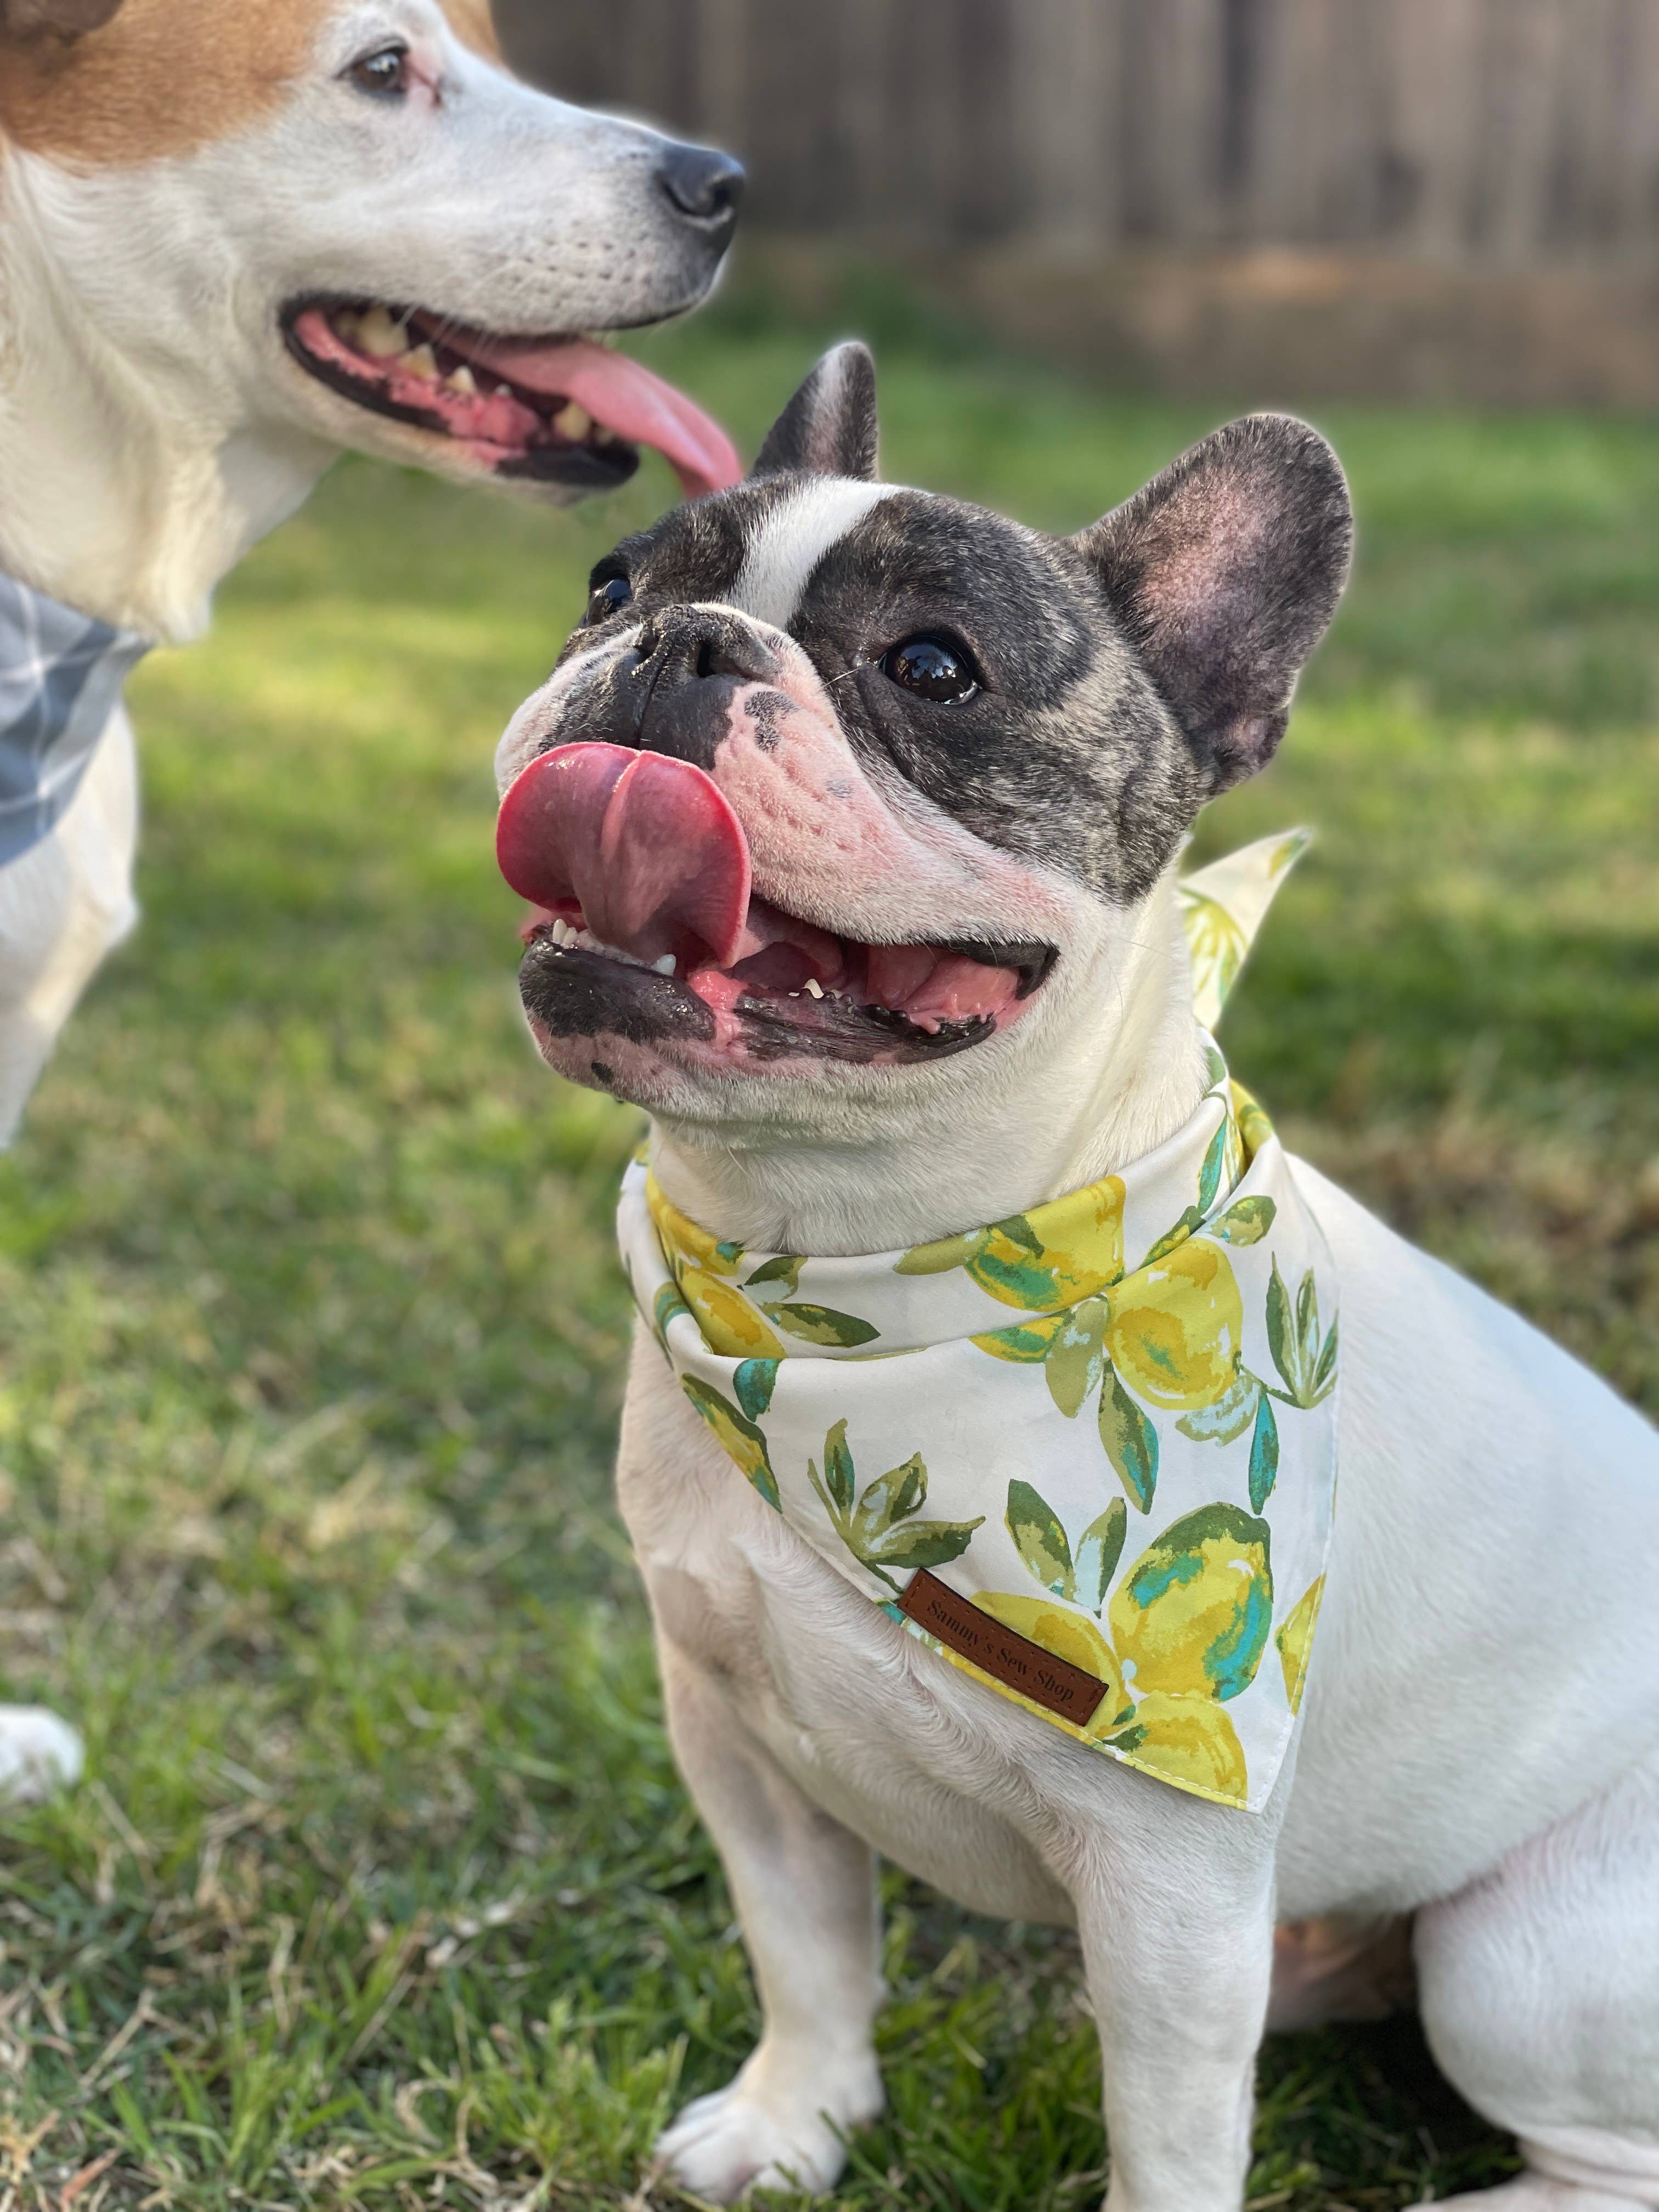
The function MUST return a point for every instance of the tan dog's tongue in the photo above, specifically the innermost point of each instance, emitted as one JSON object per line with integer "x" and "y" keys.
{"x": 646, "y": 845}
{"x": 625, "y": 397}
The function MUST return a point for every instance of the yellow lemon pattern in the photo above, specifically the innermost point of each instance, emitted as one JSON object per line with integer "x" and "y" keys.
{"x": 1108, "y": 1422}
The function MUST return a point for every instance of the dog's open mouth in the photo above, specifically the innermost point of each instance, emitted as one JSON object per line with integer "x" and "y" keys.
{"x": 557, "y": 411}
{"x": 650, "y": 930}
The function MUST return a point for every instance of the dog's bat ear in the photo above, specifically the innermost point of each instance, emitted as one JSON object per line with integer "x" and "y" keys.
{"x": 1225, "y": 572}
{"x": 66, "y": 19}
{"x": 828, "y": 427}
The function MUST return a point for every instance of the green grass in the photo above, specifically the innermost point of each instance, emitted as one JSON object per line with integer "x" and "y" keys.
{"x": 382, "y": 1890}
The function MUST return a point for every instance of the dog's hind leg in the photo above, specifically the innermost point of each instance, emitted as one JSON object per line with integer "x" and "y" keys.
{"x": 804, "y": 1891}
{"x": 1540, "y": 1991}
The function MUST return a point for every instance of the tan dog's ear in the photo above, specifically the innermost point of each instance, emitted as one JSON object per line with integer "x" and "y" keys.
{"x": 65, "y": 19}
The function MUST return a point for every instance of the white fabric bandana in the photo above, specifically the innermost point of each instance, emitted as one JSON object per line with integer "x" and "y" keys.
{"x": 1087, "y": 1454}
{"x": 61, "y": 674}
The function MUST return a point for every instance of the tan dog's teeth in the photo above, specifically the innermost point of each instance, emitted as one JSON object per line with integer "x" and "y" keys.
{"x": 379, "y": 335}
{"x": 349, "y": 326}
{"x": 573, "y": 422}
{"x": 602, "y": 436}
{"x": 462, "y": 380}
{"x": 421, "y": 362}
{"x": 503, "y": 392}
{"x": 814, "y": 986}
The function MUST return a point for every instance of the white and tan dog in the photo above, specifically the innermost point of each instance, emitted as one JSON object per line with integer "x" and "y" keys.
{"x": 233, "y": 240}
{"x": 855, "y": 812}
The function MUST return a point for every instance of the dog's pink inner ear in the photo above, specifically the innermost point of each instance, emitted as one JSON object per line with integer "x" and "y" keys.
{"x": 68, "y": 18}
{"x": 1225, "y": 573}
{"x": 828, "y": 428}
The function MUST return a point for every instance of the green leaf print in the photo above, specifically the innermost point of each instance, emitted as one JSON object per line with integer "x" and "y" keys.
{"x": 940, "y": 1257}
{"x": 879, "y": 1533}
{"x": 821, "y": 1325}
{"x": 1246, "y": 1221}
{"x": 838, "y": 1469}
{"x": 754, "y": 1382}
{"x": 1278, "y": 1325}
{"x": 1075, "y": 1358}
{"x": 1039, "y": 1539}
{"x": 1209, "y": 1178}
{"x": 774, "y": 1279}
{"x": 1307, "y": 1364}
{"x": 1099, "y": 1551}
{"x": 736, "y": 1435}
{"x": 892, "y": 1497}
{"x": 920, "y": 1543}
{"x": 1264, "y": 1453}
{"x": 1131, "y": 1442}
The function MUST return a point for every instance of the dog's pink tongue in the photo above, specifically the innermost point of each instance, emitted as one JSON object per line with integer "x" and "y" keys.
{"x": 626, "y": 398}
{"x": 646, "y": 845}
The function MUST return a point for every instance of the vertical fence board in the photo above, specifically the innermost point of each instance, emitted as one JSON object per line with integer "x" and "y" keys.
{"x": 1501, "y": 131}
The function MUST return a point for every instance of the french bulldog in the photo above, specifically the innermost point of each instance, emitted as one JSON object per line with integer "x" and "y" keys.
{"x": 853, "y": 813}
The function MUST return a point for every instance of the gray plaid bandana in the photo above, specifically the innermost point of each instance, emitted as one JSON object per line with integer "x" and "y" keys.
{"x": 61, "y": 674}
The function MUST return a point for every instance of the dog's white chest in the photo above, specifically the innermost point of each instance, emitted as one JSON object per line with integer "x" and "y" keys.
{"x": 868, "y": 1723}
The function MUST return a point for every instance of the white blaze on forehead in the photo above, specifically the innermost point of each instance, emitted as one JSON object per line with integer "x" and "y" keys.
{"x": 791, "y": 541}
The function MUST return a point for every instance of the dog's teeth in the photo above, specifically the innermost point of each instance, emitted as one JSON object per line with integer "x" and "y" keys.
{"x": 814, "y": 986}
{"x": 573, "y": 422}
{"x": 503, "y": 392}
{"x": 378, "y": 335}
{"x": 462, "y": 380}
{"x": 602, "y": 436}
{"x": 349, "y": 326}
{"x": 667, "y": 965}
{"x": 421, "y": 361}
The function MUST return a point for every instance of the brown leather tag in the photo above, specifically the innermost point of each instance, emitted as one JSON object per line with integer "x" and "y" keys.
{"x": 1001, "y": 1652}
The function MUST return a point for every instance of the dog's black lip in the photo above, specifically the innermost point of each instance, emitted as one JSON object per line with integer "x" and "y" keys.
{"x": 587, "y": 468}
{"x": 572, "y": 992}
{"x": 1033, "y": 962}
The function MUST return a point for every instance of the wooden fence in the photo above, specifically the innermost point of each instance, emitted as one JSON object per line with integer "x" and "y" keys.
{"x": 1493, "y": 133}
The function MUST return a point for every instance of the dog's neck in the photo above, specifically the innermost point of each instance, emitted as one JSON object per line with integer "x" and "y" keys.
{"x": 123, "y": 492}
{"x": 1129, "y": 1071}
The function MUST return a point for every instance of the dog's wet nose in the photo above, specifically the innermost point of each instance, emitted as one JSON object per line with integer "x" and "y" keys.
{"x": 703, "y": 185}
{"x": 688, "y": 645}
{"x": 689, "y": 660}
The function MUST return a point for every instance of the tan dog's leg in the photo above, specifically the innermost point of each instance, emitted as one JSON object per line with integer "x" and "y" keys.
{"x": 805, "y": 1892}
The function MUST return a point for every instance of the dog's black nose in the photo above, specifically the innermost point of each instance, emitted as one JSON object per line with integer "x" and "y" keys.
{"x": 702, "y": 183}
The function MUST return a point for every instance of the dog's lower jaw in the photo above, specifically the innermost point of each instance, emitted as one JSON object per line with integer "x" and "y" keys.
{"x": 1076, "y": 1090}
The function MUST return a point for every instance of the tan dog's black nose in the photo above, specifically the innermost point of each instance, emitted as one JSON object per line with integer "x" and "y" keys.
{"x": 705, "y": 186}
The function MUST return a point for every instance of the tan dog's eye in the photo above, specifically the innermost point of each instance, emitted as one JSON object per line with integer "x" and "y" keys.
{"x": 934, "y": 668}
{"x": 607, "y": 598}
{"x": 385, "y": 74}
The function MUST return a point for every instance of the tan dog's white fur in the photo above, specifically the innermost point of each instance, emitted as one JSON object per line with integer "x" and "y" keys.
{"x": 171, "y": 173}
{"x": 1480, "y": 1738}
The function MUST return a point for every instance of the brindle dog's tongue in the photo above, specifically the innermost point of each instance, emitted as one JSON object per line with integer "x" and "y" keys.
{"x": 646, "y": 845}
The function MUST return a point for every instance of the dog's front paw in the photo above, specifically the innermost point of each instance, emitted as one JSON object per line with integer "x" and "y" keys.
{"x": 751, "y": 2136}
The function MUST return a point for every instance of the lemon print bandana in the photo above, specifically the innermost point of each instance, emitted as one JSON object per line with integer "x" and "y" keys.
{"x": 1086, "y": 1453}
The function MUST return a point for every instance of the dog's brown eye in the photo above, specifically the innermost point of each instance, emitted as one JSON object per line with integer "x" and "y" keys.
{"x": 607, "y": 598}
{"x": 386, "y": 74}
{"x": 935, "y": 668}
